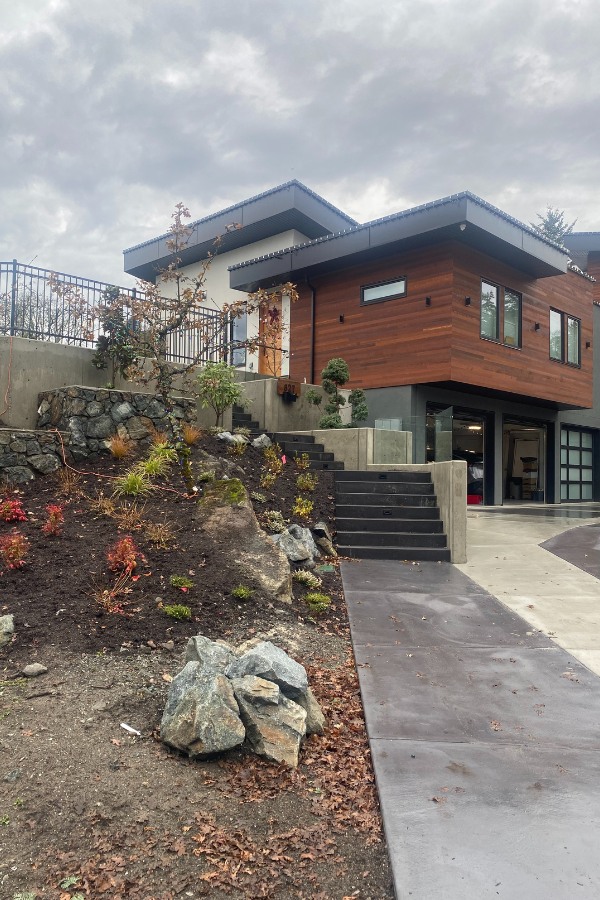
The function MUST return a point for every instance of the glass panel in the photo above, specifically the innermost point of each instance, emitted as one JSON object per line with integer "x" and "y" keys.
{"x": 574, "y": 492}
{"x": 563, "y": 492}
{"x": 489, "y": 311}
{"x": 586, "y": 474}
{"x": 555, "y": 335}
{"x": 574, "y": 439}
{"x": 443, "y": 435}
{"x": 563, "y": 455}
{"x": 586, "y": 439}
{"x": 512, "y": 318}
{"x": 574, "y": 457}
{"x": 586, "y": 457}
{"x": 574, "y": 475}
{"x": 384, "y": 291}
{"x": 563, "y": 473}
{"x": 586, "y": 492}
{"x": 573, "y": 341}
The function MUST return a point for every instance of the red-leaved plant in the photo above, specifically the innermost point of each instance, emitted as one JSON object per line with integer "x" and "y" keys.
{"x": 123, "y": 555}
{"x": 56, "y": 520}
{"x": 13, "y": 549}
{"x": 11, "y": 510}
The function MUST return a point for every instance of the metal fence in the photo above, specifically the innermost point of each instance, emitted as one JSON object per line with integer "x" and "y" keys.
{"x": 52, "y": 306}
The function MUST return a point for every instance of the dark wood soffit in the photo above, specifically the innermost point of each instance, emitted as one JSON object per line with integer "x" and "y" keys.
{"x": 501, "y": 395}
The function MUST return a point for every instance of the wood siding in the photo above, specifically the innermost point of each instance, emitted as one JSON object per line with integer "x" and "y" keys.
{"x": 404, "y": 341}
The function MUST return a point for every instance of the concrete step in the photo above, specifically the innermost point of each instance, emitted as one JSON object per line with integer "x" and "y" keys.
{"x": 433, "y": 554}
{"x": 404, "y": 525}
{"x": 393, "y": 513}
{"x": 388, "y": 539}
{"x": 383, "y": 488}
{"x": 385, "y": 477}
{"x": 353, "y": 499}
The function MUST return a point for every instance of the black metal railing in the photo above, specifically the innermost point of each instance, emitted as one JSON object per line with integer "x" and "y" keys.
{"x": 52, "y": 306}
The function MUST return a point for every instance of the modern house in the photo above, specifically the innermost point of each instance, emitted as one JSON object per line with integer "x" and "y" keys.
{"x": 281, "y": 217}
{"x": 463, "y": 326}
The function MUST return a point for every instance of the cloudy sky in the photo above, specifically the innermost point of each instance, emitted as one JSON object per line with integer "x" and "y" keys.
{"x": 112, "y": 111}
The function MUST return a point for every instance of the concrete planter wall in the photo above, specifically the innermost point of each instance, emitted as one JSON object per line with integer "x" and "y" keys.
{"x": 91, "y": 416}
{"x": 25, "y": 454}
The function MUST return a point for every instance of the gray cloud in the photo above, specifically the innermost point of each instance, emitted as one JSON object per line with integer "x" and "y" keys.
{"x": 111, "y": 112}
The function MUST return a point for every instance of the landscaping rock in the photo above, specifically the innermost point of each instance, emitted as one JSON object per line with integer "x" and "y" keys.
{"x": 102, "y": 427}
{"x": 7, "y": 629}
{"x": 295, "y": 550}
{"x": 34, "y": 669}
{"x": 212, "y": 657}
{"x": 201, "y": 716}
{"x": 44, "y": 463}
{"x": 323, "y": 539}
{"x": 270, "y": 662}
{"x": 230, "y": 438}
{"x": 262, "y": 442}
{"x": 315, "y": 720}
{"x": 274, "y": 729}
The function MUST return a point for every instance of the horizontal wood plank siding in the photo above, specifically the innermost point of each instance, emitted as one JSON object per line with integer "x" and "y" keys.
{"x": 403, "y": 341}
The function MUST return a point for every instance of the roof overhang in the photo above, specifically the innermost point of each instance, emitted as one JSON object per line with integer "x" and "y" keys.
{"x": 580, "y": 244}
{"x": 462, "y": 217}
{"x": 291, "y": 206}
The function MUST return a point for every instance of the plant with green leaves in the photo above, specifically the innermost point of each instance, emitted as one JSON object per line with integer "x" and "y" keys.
{"x": 181, "y": 581}
{"x": 241, "y": 592}
{"x": 302, "y": 508}
{"x": 177, "y": 611}
{"x": 133, "y": 484}
{"x": 334, "y": 376}
{"x": 218, "y": 389}
{"x": 317, "y": 602}
{"x": 309, "y": 579}
{"x": 115, "y": 345}
{"x": 307, "y": 481}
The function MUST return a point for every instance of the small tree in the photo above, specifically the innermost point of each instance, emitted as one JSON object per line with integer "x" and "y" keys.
{"x": 553, "y": 226}
{"x": 218, "y": 388}
{"x": 334, "y": 376}
{"x": 115, "y": 346}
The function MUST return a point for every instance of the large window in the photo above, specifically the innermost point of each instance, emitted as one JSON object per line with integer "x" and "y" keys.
{"x": 565, "y": 338}
{"x": 383, "y": 290}
{"x": 500, "y": 314}
{"x": 576, "y": 464}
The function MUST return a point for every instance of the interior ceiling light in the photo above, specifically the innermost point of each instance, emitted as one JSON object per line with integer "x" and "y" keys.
{"x": 474, "y": 428}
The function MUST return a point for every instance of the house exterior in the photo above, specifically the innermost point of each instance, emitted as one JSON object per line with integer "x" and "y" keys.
{"x": 284, "y": 216}
{"x": 463, "y": 326}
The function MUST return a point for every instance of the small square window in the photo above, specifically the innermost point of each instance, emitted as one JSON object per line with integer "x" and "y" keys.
{"x": 383, "y": 290}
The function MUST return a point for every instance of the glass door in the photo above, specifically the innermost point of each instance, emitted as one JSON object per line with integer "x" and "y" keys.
{"x": 443, "y": 434}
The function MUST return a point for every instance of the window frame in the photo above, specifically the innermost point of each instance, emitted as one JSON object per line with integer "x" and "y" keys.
{"x": 500, "y": 336}
{"x": 378, "y": 284}
{"x": 565, "y": 320}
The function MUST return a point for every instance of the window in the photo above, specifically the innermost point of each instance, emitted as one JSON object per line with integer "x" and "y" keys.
{"x": 576, "y": 464}
{"x": 565, "y": 343}
{"x": 500, "y": 314}
{"x": 383, "y": 290}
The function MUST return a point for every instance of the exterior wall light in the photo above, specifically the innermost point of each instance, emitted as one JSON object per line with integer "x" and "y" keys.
{"x": 467, "y": 301}
{"x": 537, "y": 326}
{"x": 588, "y": 344}
{"x": 427, "y": 301}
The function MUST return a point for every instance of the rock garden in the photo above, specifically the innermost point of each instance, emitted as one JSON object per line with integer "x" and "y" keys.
{"x": 179, "y": 709}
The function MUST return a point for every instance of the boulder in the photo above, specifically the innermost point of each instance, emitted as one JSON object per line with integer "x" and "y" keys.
{"x": 230, "y": 438}
{"x": 323, "y": 539}
{"x": 201, "y": 716}
{"x": 275, "y": 725}
{"x": 122, "y": 411}
{"x": 315, "y": 720}
{"x": 34, "y": 669}
{"x": 295, "y": 550}
{"x": 272, "y": 663}
{"x": 7, "y": 629}
{"x": 212, "y": 657}
{"x": 101, "y": 427}
{"x": 44, "y": 463}
{"x": 262, "y": 442}
{"x": 228, "y": 520}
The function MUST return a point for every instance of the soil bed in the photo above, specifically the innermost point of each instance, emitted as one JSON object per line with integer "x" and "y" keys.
{"x": 90, "y": 810}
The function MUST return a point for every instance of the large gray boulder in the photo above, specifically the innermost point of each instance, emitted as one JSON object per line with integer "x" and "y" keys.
{"x": 315, "y": 720}
{"x": 212, "y": 657}
{"x": 270, "y": 662}
{"x": 201, "y": 716}
{"x": 7, "y": 629}
{"x": 275, "y": 725}
{"x": 228, "y": 520}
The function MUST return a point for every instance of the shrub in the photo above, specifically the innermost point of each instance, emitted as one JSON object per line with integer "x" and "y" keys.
{"x": 160, "y": 534}
{"x": 267, "y": 480}
{"x": 133, "y": 484}
{"x": 120, "y": 447}
{"x": 102, "y": 505}
{"x": 302, "y": 461}
{"x": 317, "y": 603}
{"x": 241, "y": 592}
{"x": 302, "y": 507}
{"x": 307, "y": 481}
{"x": 163, "y": 450}
{"x": 256, "y": 495}
{"x": 334, "y": 376}
{"x": 153, "y": 467}
{"x": 273, "y": 521}
{"x": 69, "y": 483}
{"x": 237, "y": 449}
{"x": 12, "y": 511}
{"x": 314, "y": 397}
{"x": 303, "y": 576}
{"x": 190, "y": 434}
{"x": 53, "y": 526}
{"x": 218, "y": 388}
{"x": 123, "y": 555}
{"x": 177, "y": 611}
{"x": 13, "y": 549}
{"x": 181, "y": 581}
{"x": 241, "y": 429}
{"x": 129, "y": 516}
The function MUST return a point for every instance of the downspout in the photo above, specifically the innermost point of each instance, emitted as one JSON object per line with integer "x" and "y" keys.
{"x": 313, "y": 299}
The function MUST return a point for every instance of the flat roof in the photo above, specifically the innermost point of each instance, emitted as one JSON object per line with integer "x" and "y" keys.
{"x": 287, "y": 207}
{"x": 580, "y": 244}
{"x": 462, "y": 217}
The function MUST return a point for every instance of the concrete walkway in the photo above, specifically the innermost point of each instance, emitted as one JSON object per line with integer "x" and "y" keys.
{"x": 484, "y": 732}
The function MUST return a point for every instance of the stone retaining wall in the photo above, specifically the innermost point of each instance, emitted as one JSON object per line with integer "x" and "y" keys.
{"x": 92, "y": 416}
{"x": 25, "y": 454}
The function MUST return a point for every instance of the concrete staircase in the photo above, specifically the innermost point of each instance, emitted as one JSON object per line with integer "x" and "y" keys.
{"x": 388, "y": 515}
{"x": 291, "y": 444}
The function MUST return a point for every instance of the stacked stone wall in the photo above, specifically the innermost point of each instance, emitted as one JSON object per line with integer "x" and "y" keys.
{"x": 91, "y": 416}
{"x": 25, "y": 454}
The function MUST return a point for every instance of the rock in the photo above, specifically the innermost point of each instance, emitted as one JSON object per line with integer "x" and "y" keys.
{"x": 17, "y": 475}
{"x": 262, "y": 442}
{"x": 102, "y": 427}
{"x": 138, "y": 427}
{"x": 323, "y": 539}
{"x": 212, "y": 657}
{"x": 34, "y": 669}
{"x": 228, "y": 520}
{"x": 7, "y": 629}
{"x": 201, "y": 716}
{"x": 270, "y": 662}
{"x": 295, "y": 550}
{"x": 230, "y": 438}
{"x": 93, "y": 408}
{"x": 273, "y": 729}
{"x": 315, "y": 720}
{"x": 121, "y": 412}
{"x": 321, "y": 530}
{"x": 44, "y": 463}
{"x": 155, "y": 409}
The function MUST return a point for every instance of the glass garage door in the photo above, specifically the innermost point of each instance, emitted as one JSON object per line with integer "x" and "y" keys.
{"x": 576, "y": 471}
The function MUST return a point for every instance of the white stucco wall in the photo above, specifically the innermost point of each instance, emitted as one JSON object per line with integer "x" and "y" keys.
{"x": 218, "y": 291}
